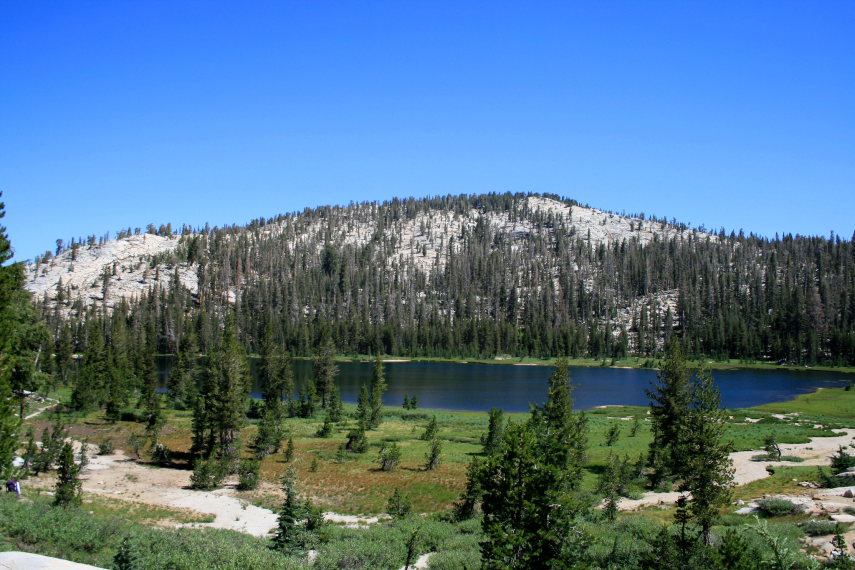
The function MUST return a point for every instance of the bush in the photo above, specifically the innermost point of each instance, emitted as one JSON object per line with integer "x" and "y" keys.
{"x": 106, "y": 447}
{"x": 819, "y": 527}
{"x": 248, "y": 474}
{"x": 160, "y": 454}
{"x": 390, "y": 456}
{"x": 462, "y": 551}
{"x": 778, "y": 507}
{"x": 208, "y": 474}
{"x": 399, "y": 505}
{"x": 841, "y": 461}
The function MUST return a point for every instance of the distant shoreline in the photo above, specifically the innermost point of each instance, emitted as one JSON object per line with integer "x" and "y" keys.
{"x": 626, "y": 363}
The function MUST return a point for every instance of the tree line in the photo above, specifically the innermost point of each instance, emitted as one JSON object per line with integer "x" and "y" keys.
{"x": 464, "y": 286}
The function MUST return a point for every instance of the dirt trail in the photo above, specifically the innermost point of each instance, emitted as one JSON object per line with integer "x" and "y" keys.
{"x": 816, "y": 452}
{"x": 119, "y": 477}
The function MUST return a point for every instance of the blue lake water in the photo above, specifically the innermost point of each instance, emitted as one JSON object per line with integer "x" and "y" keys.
{"x": 479, "y": 387}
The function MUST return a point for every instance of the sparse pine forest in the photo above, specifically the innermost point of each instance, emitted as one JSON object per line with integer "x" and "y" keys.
{"x": 463, "y": 276}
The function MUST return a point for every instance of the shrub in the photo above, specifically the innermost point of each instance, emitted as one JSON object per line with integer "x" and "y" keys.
{"x": 248, "y": 474}
{"x": 819, "y": 527}
{"x": 160, "y": 454}
{"x": 106, "y": 447}
{"x": 207, "y": 475}
{"x": 390, "y": 456}
{"x": 841, "y": 461}
{"x": 778, "y": 507}
{"x": 399, "y": 505}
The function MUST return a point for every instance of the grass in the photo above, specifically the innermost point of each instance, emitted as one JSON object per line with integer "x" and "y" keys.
{"x": 628, "y": 362}
{"x": 837, "y": 403}
{"x": 357, "y": 486}
{"x": 784, "y": 481}
{"x": 144, "y": 513}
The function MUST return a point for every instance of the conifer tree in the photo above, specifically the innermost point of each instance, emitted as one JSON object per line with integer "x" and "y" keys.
{"x": 529, "y": 486}
{"x": 290, "y": 536}
{"x": 94, "y": 369}
{"x": 335, "y": 408}
{"x": 68, "y": 484}
{"x": 495, "y": 429}
{"x": 363, "y": 407}
{"x": 378, "y": 388}
{"x": 276, "y": 374}
{"x": 16, "y": 363}
{"x": 229, "y": 384}
{"x": 430, "y": 431}
{"x": 707, "y": 472}
{"x": 151, "y": 404}
{"x": 670, "y": 400}
{"x": 9, "y": 423}
{"x": 325, "y": 371}
{"x": 389, "y": 456}
{"x": 434, "y": 455}
{"x": 289, "y": 451}
{"x": 356, "y": 440}
{"x": 182, "y": 379}
{"x": 563, "y": 434}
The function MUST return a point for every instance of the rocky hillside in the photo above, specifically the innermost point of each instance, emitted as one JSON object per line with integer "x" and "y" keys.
{"x": 472, "y": 275}
{"x": 131, "y": 264}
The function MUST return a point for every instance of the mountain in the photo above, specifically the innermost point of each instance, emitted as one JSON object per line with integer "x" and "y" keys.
{"x": 488, "y": 275}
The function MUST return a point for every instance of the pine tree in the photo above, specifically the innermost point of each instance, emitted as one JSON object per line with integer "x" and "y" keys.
{"x": 227, "y": 388}
{"x": 182, "y": 379}
{"x": 11, "y": 284}
{"x": 529, "y": 486}
{"x": 89, "y": 390}
{"x": 325, "y": 371}
{"x": 563, "y": 434}
{"x": 356, "y": 440}
{"x": 290, "y": 536}
{"x": 434, "y": 455}
{"x": 389, "y": 456}
{"x": 495, "y": 429}
{"x": 707, "y": 470}
{"x": 335, "y": 408}
{"x": 469, "y": 502}
{"x": 152, "y": 407}
{"x": 276, "y": 374}
{"x": 363, "y": 408}
{"x": 378, "y": 388}
{"x": 9, "y": 424}
{"x": 670, "y": 400}
{"x": 68, "y": 484}
{"x": 430, "y": 431}
{"x": 399, "y": 505}
{"x": 289, "y": 451}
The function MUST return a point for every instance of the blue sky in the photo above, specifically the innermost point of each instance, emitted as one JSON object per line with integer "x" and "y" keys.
{"x": 727, "y": 114}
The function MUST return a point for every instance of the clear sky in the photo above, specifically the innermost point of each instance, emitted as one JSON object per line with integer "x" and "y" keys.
{"x": 727, "y": 114}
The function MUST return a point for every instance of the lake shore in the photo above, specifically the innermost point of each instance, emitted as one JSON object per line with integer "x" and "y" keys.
{"x": 626, "y": 363}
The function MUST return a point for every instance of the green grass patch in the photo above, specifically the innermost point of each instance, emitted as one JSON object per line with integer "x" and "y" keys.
{"x": 831, "y": 402}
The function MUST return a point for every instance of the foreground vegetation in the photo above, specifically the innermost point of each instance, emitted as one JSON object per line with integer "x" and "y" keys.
{"x": 536, "y": 490}
{"x": 359, "y": 485}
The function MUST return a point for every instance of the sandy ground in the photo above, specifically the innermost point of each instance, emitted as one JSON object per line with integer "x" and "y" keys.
{"x": 117, "y": 476}
{"x": 28, "y": 561}
{"x": 816, "y": 452}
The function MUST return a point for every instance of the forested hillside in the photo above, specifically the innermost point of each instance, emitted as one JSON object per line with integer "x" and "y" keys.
{"x": 468, "y": 276}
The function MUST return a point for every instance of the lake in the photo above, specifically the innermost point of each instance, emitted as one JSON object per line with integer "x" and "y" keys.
{"x": 479, "y": 387}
